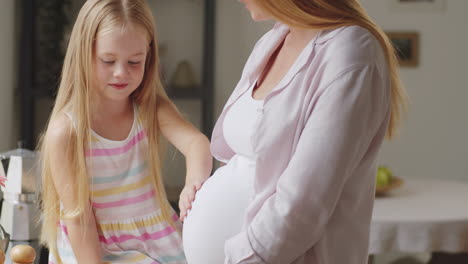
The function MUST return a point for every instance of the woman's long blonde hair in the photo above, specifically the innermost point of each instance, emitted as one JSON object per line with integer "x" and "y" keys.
{"x": 74, "y": 97}
{"x": 326, "y": 14}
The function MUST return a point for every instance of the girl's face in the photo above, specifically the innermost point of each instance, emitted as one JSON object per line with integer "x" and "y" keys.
{"x": 256, "y": 12}
{"x": 119, "y": 62}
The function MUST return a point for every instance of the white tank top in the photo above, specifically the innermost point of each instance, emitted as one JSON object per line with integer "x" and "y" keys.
{"x": 240, "y": 123}
{"x": 219, "y": 207}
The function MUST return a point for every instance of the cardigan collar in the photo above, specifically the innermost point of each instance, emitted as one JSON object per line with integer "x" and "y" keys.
{"x": 262, "y": 55}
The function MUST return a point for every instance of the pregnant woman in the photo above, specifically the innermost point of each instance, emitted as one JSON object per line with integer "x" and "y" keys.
{"x": 300, "y": 136}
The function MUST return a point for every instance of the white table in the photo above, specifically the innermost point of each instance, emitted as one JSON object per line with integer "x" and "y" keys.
{"x": 423, "y": 215}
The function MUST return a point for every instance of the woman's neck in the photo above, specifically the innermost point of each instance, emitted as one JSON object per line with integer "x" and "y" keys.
{"x": 300, "y": 36}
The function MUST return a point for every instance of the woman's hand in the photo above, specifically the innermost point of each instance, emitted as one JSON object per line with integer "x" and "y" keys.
{"x": 187, "y": 196}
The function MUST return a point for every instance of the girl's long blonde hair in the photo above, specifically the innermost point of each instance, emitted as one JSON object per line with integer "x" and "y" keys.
{"x": 326, "y": 14}
{"x": 74, "y": 97}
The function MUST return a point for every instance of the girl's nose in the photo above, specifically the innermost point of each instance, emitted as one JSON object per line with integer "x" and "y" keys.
{"x": 121, "y": 71}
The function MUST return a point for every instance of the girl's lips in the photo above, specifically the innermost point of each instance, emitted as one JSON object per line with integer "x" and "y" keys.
{"x": 119, "y": 86}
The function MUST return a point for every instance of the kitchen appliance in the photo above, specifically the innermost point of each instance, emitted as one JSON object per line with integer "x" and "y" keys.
{"x": 20, "y": 213}
{"x": 4, "y": 239}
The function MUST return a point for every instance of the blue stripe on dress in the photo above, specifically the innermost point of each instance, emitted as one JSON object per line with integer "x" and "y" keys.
{"x": 120, "y": 176}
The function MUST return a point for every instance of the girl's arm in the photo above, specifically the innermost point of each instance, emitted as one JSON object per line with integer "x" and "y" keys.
{"x": 83, "y": 238}
{"x": 192, "y": 144}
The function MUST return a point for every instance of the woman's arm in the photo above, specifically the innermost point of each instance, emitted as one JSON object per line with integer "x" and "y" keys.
{"x": 83, "y": 238}
{"x": 192, "y": 144}
{"x": 336, "y": 136}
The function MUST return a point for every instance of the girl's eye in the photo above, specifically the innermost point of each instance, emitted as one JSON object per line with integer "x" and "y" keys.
{"x": 108, "y": 61}
{"x": 134, "y": 62}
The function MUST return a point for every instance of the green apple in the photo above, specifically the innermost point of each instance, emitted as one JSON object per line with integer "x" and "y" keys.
{"x": 384, "y": 176}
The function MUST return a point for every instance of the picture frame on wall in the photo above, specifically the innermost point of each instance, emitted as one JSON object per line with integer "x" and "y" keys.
{"x": 407, "y": 47}
{"x": 414, "y": 6}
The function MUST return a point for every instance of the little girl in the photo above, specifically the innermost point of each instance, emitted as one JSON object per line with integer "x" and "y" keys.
{"x": 103, "y": 196}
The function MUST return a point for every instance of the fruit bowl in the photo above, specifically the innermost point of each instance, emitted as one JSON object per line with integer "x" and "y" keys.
{"x": 394, "y": 183}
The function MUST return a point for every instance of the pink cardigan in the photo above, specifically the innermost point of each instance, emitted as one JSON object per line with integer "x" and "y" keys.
{"x": 316, "y": 144}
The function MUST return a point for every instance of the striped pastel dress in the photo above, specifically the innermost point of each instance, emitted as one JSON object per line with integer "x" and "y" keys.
{"x": 128, "y": 217}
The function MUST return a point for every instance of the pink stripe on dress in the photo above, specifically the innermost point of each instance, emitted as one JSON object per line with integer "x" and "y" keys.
{"x": 116, "y": 151}
{"x": 64, "y": 228}
{"x": 104, "y": 165}
{"x": 145, "y": 236}
{"x": 128, "y": 201}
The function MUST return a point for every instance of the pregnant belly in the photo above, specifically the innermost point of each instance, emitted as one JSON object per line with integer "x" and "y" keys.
{"x": 217, "y": 213}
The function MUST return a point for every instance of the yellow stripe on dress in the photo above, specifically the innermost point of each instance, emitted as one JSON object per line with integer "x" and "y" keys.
{"x": 122, "y": 189}
{"x": 154, "y": 220}
{"x": 126, "y": 257}
{"x": 138, "y": 257}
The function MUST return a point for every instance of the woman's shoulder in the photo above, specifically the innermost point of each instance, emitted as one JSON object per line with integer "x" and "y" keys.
{"x": 347, "y": 47}
{"x": 357, "y": 42}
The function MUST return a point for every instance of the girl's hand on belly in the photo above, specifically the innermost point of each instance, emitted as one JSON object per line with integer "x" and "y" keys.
{"x": 187, "y": 196}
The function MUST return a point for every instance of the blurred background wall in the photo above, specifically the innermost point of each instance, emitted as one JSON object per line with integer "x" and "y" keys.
{"x": 7, "y": 73}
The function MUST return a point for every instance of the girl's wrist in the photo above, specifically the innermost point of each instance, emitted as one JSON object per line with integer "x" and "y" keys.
{"x": 189, "y": 180}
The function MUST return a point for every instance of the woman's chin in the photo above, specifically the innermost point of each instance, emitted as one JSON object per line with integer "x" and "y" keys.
{"x": 257, "y": 17}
